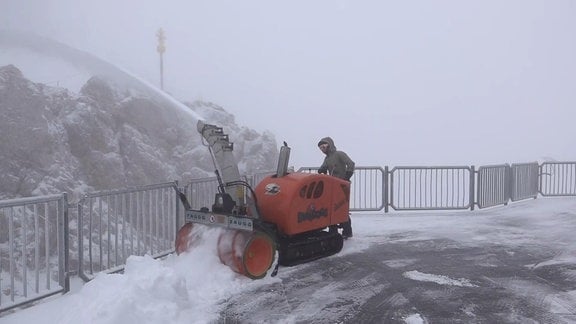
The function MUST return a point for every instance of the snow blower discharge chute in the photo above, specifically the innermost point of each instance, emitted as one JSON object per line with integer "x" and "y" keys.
{"x": 294, "y": 213}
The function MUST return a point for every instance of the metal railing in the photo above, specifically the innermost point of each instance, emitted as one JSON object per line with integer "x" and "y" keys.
{"x": 368, "y": 187}
{"x": 435, "y": 188}
{"x": 255, "y": 179}
{"x": 432, "y": 188}
{"x": 112, "y": 225}
{"x": 34, "y": 249}
{"x": 524, "y": 181}
{"x": 201, "y": 192}
{"x": 492, "y": 185}
{"x": 557, "y": 179}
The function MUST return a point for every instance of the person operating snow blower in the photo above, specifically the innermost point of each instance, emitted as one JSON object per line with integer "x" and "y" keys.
{"x": 338, "y": 164}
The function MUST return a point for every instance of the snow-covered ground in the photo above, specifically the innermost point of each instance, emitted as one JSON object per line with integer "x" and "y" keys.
{"x": 196, "y": 288}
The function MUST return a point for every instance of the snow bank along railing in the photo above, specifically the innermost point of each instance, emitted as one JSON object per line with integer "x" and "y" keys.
{"x": 33, "y": 249}
{"x": 112, "y": 225}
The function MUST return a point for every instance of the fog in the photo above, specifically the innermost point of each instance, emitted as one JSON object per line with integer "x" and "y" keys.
{"x": 393, "y": 83}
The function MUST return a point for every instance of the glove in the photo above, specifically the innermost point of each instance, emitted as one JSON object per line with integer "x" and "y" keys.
{"x": 348, "y": 175}
{"x": 323, "y": 170}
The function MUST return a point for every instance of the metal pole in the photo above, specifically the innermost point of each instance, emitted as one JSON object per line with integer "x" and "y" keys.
{"x": 161, "y": 48}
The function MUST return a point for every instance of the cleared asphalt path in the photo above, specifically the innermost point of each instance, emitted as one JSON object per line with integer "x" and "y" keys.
{"x": 421, "y": 281}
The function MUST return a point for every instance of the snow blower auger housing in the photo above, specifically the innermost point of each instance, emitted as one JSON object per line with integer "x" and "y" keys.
{"x": 287, "y": 212}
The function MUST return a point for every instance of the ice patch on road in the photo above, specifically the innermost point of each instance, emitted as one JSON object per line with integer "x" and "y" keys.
{"x": 439, "y": 279}
{"x": 414, "y": 319}
{"x": 400, "y": 263}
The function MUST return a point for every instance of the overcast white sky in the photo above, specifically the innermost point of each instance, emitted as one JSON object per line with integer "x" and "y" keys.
{"x": 393, "y": 82}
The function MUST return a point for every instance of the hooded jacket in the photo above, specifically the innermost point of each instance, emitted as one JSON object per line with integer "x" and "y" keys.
{"x": 336, "y": 163}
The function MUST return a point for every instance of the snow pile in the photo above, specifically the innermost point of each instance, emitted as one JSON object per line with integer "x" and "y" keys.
{"x": 189, "y": 288}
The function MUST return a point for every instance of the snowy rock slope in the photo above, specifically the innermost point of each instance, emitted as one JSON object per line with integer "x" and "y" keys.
{"x": 116, "y": 131}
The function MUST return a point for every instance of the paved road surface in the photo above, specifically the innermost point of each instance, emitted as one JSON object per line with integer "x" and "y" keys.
{"x": 424, "y": 281}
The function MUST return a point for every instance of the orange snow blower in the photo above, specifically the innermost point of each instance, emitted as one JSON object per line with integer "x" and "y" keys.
{"x": 295, "y": 214}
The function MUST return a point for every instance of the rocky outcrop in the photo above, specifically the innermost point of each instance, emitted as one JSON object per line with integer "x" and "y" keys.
{"x": 105, "y": 137}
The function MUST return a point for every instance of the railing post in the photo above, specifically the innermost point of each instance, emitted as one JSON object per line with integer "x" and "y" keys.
{"x": 177, "y": 209}
{"x": 390, "y": 181}
{"x": 65, "y": 234}
{"x": 80, "y": 209}
{"x": 508, "y": 182}
{"x": 472, "y": 187}
{"x": 540, "y": 167}
{"x": 386, "y": 189}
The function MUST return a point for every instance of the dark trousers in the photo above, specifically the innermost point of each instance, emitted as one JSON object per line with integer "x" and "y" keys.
{"x": 347, "y": 227}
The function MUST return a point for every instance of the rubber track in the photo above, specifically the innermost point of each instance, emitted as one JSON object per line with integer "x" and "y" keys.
{"x": 307, "y": 247}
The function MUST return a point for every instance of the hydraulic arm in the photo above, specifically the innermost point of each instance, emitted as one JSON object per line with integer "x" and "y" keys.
{"x": 230, "y": 182}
